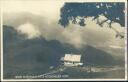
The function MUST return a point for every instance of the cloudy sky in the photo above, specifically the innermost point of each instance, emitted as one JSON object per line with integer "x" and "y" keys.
{"x": 45, "y": 7}
{"x": 40, "y": 18}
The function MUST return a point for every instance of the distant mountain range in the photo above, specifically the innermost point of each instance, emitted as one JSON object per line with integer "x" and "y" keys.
{"x": 37, "y": 55}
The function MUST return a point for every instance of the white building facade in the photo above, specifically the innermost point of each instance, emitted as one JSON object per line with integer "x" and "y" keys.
{"x": 72, "y": 60}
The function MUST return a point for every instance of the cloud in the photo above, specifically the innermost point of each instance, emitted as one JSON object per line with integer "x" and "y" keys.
{"x": 40, "y": 18}
{"x": 49, "y": 8}
{"x": 36, "y": 25}
{"x": 119, "y": 47}
{"x": 29, "y": 30}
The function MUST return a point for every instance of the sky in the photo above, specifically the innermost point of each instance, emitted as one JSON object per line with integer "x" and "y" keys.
{"x": 40, "y": 18}
{"x": 48, "y": 8}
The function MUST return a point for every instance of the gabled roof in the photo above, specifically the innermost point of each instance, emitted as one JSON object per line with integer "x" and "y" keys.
{"x": 72, "y": 57}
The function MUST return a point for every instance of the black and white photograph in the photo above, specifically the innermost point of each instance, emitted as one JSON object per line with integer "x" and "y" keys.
{"x": 63, "y": 40}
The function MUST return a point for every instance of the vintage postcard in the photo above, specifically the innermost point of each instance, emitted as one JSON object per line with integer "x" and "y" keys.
{"x": 63, "y": 40}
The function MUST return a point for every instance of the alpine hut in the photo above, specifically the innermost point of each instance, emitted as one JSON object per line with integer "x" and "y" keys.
{"x": 72, "y": 60}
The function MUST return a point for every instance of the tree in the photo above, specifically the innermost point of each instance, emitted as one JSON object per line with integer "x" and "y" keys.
{"x": 114, "y": 12}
